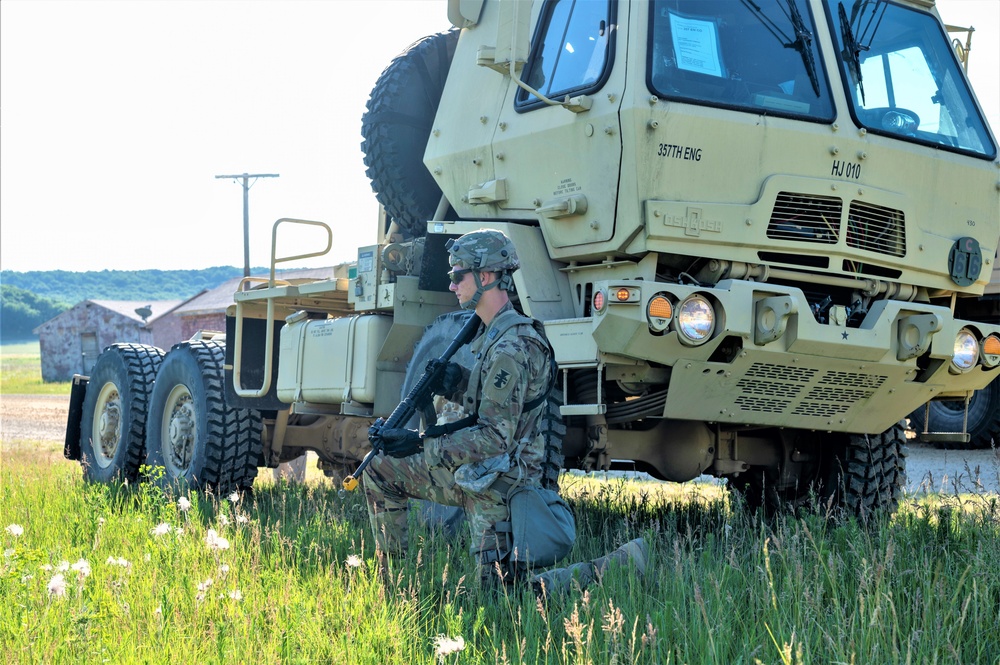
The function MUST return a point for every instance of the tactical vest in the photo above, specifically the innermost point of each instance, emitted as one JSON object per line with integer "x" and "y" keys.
{"x": 470, "y": 400}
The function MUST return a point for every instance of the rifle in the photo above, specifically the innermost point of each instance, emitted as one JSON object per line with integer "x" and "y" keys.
{"x": 417, "y": 396}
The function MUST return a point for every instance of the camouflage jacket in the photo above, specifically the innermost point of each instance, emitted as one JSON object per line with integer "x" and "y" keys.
{"x": 513, "y": 362}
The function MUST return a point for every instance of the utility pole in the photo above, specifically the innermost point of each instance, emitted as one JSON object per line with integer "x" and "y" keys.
{"x": 245, "y": 177}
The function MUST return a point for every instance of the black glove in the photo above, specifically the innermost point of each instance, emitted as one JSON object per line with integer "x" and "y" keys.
{"x": 401, "y": 442}
{"x": 448, "y": 378}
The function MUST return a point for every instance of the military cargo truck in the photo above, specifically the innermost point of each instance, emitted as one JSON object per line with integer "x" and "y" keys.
{"x": 745, "y": 225}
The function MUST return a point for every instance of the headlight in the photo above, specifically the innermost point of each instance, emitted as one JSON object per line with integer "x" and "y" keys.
{"x": 659, "y": 311}
{"x": 695, "y": 319}
{"x": 966, "y": 350}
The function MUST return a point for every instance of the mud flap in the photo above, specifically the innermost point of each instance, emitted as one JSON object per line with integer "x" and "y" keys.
{"x": 71, "y": 448}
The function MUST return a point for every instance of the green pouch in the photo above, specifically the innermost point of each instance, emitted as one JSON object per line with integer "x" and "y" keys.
{"x": 543, "y": 527}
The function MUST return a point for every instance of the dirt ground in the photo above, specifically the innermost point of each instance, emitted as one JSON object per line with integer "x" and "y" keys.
{"x": 43, "y": 418}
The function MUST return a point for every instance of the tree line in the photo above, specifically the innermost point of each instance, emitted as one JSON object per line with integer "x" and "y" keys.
{"x": 28, "y": 299}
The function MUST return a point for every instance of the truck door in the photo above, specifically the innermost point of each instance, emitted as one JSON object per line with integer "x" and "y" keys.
{"x": 560, "y": 156}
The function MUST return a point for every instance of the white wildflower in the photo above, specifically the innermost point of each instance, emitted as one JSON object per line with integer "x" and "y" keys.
{"x": 14, "y": 530}
{"x": 158, "y": 611}
{"x": 224, "y": 520}
{"x": 241, "y": 518}
{"x": 9, "y": 552}
{"x": 25, "y": 578}
{"x": 204, "y": 585}
{"x": 445, "y": 646}
{"x": 184, "y": 504}
{"x": 161, "y": 529}
{"x": 236, "y": 594}
{"x": 234, "y": 497}
{"x": 119, "y": 561}
{"x": 223, "y": 570}
{"x": 57, "y": 585}
{"x": 46, "y": 567}
{"x": 82, "y": 567}
{"x": 353, "y": 561}
{"x": 100, "y": 521}
{"x": 215, "y": 541}
{"x": 63, "y": 566}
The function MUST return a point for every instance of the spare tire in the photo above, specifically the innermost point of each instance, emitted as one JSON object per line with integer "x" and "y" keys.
{"x": 396, "y": 126}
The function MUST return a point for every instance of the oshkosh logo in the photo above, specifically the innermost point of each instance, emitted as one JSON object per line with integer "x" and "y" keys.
{"x": 693, "y": 223}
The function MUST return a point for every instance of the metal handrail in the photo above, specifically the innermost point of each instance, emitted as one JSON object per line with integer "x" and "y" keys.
{"x": 269, "y": 329}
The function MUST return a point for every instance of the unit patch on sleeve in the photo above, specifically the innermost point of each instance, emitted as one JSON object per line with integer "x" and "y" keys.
{"x": 501, "y": 380}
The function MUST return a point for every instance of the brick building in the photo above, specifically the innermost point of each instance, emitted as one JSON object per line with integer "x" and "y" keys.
{"x": 71, "y": 341}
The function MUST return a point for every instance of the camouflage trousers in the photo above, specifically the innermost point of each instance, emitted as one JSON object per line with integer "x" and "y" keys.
{"x": 391, "y": 482}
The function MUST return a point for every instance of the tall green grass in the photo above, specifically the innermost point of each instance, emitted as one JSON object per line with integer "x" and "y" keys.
{"x": 298, "y": 583}
{"x": 21, "y": 371}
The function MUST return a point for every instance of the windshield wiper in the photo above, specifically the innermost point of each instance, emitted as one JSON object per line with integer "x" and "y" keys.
{"x": 803, "y": 37}
{"x": 854, "y": 44}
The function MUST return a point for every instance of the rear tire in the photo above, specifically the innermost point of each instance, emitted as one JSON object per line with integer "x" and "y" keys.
{"x": 113, "y": 426}
{"x": 199, "y": 440}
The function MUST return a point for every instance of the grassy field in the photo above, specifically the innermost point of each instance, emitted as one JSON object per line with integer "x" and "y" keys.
{"x": 21, "y": 371}
{"x": 94, "y": 573}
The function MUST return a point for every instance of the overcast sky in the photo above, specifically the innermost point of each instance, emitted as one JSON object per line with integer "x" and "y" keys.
{"x": 116, "y": 116}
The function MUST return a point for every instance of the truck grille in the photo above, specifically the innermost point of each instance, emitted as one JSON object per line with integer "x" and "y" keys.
{"x": 768, "y": 388}
{"x": 805, "y": 218}
{"x": 810, "y": 218}
{"x": 876, "y": 229}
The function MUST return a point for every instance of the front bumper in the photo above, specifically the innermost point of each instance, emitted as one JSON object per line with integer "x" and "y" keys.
{"x": 769, "y": 362}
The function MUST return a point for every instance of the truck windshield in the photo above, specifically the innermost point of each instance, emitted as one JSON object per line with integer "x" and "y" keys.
{"x": 902, "y": 77}
{"x": 759, "y": 56}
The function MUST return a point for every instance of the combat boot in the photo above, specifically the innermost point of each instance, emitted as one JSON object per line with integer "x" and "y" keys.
{"x": 561, "y": 580}
{"x": 634, "y": 551}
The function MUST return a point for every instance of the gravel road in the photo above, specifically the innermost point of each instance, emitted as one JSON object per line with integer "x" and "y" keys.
{"x": 43, "y": 418}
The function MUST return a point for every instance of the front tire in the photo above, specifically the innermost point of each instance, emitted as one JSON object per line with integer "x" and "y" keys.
{"x": 198, "y": 439}
{"x": 113, "y": 426}
{"x": 868, "y": 475}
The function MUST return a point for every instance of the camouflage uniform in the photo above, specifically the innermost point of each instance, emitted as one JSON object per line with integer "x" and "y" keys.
{"x": 462, "y": 468}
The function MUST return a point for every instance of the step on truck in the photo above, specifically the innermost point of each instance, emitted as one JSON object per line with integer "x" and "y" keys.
{"x": 747, "y": 227}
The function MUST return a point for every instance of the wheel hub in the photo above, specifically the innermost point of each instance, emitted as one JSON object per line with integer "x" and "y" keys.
{"x": 181, "y": 429}
{"x": 107, "y": 425}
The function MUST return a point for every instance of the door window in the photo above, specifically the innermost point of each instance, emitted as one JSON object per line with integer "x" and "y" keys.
{"x": 571, "y": 52}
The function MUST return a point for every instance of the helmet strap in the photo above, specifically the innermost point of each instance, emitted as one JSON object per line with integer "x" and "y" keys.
{"x": 480, "y": 289}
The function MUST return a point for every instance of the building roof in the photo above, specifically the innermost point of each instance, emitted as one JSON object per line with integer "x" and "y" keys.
{"x": 126, "y": 308}
{"x": 216, "y": 300}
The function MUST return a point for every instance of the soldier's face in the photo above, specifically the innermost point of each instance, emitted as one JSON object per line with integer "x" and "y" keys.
{"x": 466, "y": 286}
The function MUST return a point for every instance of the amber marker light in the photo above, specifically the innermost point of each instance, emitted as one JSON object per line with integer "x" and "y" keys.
{"x": 991, "y": 345}
{"x": 622, "y": 294}
{"x": 659, "y": 312}
{"x": 598, "y": 301}
{"x": 990, "y": 353}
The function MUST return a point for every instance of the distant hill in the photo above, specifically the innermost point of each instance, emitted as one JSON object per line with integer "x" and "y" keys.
{"x": 21, "y": 311}
{"x": 28, "y": 299}
{"x": 72, "y": 287}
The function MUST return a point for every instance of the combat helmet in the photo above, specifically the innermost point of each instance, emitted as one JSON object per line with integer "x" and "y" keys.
{"x": 484, "y": 250}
